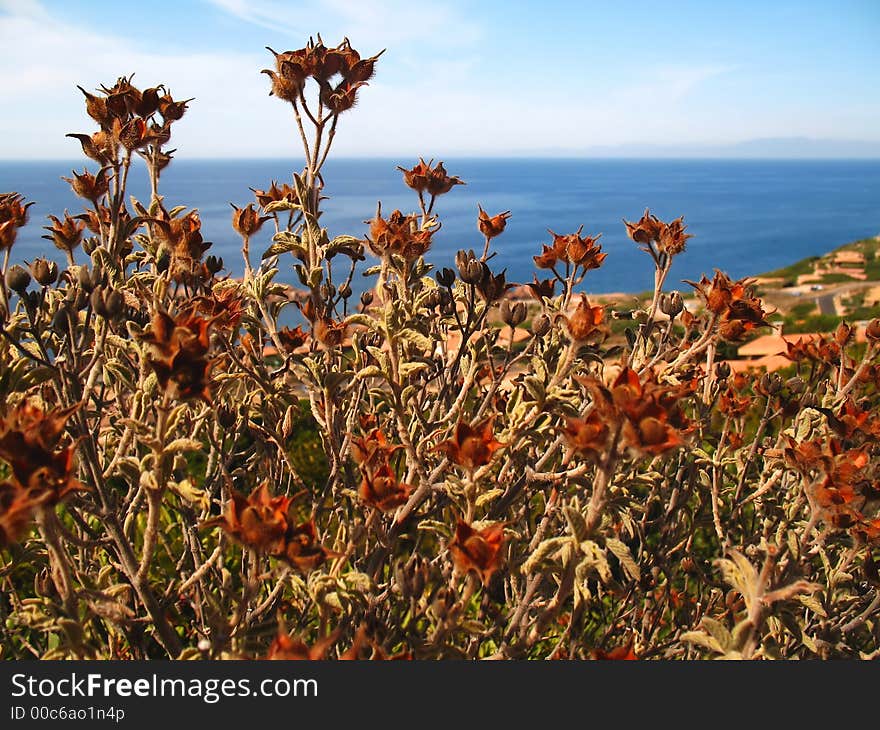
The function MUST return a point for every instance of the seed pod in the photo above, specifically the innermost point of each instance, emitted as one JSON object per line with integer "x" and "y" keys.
{"x": 722, "y": 371}
{"x": 226, "y": 417}
{"x": 44, "y": 271}
{"x": 843, "y": 333}
{"x": 345, "y": 291}
{"x": 541, "y": 325}
{"x": 213, "y": 264}
{"x": 445, "y": 277}
{"x": 113, "y": 302}
{"x": 872, "y": 331}
{"x": 97, "y": 301}
{"x": 671, "y": 304}
{"x": 18, "y": 279}
{"x": 366, "y": 298}
{"x": 513, "y": 315}
{"x": 85, "y": 278}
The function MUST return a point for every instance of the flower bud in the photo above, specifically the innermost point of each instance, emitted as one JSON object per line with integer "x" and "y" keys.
{"x": 97, "y": 301}
{"x": 722, "y": 371}
{"x": 541, "y": 325}
{"x": 469, "y": 268}
{"x": 671, "y": 304}
{"x": 18, "y": 279}
{"x": 434, "y": 298}
{"x": 44, "y": 271}
{"x": 843, "y": 333}
{"x": 213, "y": 264}
{"x": 84, "y": 278}
{"x": 770, "y": 384}
{"x": 226, "y": 417}
{"x": 445, "y": 277}
{"x": 114, "y": 302}
{"x": 872, "y": 331}
{"x": 61, "y": 320}
{"x": 513, "y": 315}
{"x": 795, "y": 385}
{"x": 367, "y": 298}
{"x": 344, "y": 291}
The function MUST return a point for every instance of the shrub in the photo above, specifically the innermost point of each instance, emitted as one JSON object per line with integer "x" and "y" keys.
{"x": 396, "y": 479}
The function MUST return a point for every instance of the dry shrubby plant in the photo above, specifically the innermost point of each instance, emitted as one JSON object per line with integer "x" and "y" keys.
{"x": 440, "y": 470}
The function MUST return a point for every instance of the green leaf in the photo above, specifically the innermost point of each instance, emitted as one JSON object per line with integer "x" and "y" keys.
{"x": 701, "y": 639}
{"x": 622, "y": 553}
{"x": 183, "y": 444}
{"x": 546, "y": 551}
{"x": 719, "y": 631}
{"x": 577, "y": 525}
{"x": 276, "y": 206}
{"x": 285, "y": 242}
{"x": 488, "y": 496}
{"x": 417, "y": 339}
{"x": 410, "y": 368}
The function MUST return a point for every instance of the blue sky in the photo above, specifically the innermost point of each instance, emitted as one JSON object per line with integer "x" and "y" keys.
{"x": 458, "y": 78}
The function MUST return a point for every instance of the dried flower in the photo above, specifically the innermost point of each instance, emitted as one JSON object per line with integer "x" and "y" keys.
{"x": 29, "y": 443}
{"x": 288, "y": 647}
{"x": 17, "y": 507}
{"x": 477, "y": 550}
{"x": 646, "y": 231}
{"x": 176, "y": 350}
{"x": 87, "y": 186}
{"x": 585, "y": 321}
{"x": 273, "y": 194}
{"x": 246, "y": 221}
{"x": 399, "y": 234}
{"x": 587, "y": 436}
{"x": 543, "y": 289}
{"x": 471, "y": 447}
{"x": 668, "y": 238}
{"x": 182, "y": 237}
{"x": 494, "y": 226}
{"x": 258, "y": 521}
{"x": 65, "y": 234}
{"x": 381, "y": 489}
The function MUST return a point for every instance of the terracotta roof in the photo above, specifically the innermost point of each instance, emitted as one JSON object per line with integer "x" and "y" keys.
{"x": 772, "y": 344}
{"x": 776, "y": 344}
{"x": 770, "y": 363}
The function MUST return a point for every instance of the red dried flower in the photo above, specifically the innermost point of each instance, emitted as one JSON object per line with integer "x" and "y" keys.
{"x": 585, "y": 321}
{"x": 471, "y": 447}
{"x": 65, "y": 234}
{"x": 494, "y": 226}
{"x": 246, "y": 221}
{"x": 288, "y": 647}
{"x": 29, "y": 443}
{"x": 381, "y": 489}
{"x": 479, "y": 551}
{"x": 176, "y": 350}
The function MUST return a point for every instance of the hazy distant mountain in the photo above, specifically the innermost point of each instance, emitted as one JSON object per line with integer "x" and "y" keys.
{"x": 778, "y": 147}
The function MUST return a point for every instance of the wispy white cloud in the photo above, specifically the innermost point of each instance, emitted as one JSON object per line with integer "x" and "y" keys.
{"x": 377, "y": 23}
{"x": 440, "y": 103}
{"x": 45, "y": 59}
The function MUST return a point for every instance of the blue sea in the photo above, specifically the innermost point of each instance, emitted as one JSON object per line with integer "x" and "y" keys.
{"x": 746, "y": 216}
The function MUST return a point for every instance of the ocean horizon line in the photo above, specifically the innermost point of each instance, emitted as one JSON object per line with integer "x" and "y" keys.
{"x": 487, "y": 157}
